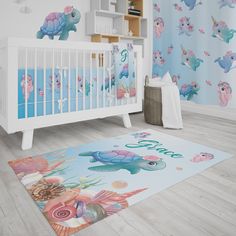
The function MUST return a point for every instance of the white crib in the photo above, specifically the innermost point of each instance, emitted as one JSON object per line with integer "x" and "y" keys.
{"x": 18, "y": 53}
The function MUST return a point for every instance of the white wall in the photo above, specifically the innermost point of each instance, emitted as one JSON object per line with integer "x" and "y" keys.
{"x": 15, "y": 24}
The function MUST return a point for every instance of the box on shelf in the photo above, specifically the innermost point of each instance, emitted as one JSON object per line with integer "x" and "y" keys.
{"x": 125, "y": 27}
{"x": 118, "y": 25}
{"x": 112, "y": 8}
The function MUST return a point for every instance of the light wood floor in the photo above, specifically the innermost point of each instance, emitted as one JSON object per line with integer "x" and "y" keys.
{"x": 202, "y": 205}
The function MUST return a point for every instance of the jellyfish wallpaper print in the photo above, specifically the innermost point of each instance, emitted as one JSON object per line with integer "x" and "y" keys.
{"x": 196, "y": 40}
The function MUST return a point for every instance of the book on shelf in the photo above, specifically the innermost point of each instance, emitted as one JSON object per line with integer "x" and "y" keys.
{"x": 134, "y": 12}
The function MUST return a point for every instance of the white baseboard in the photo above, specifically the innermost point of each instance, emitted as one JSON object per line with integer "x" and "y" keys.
{"x": 216, "y": 111}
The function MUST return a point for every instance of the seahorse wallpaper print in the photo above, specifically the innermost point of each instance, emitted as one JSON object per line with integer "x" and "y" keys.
{"x": 195, "y": 40}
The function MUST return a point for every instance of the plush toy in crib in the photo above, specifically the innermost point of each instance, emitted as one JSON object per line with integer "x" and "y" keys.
{"x": 60, "y": 24}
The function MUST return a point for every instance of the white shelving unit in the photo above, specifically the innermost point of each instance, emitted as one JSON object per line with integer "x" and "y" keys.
{"x": 104, "y": 22}
{"x": 121, "y": 6}
{"x": 109, "y": 20}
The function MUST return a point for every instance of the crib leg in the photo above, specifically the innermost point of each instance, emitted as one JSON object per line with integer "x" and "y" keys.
{"x": 126, "y": 121}
{"x": 27, "y": 139}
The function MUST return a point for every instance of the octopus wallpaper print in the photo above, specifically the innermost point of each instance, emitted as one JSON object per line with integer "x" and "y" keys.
{"x": 196, "y": 42}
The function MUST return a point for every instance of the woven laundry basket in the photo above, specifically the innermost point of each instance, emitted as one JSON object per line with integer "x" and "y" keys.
{"x": 152, "y": 104}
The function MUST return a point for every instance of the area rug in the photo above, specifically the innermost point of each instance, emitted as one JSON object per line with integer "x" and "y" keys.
{"x": 82, "y": 185}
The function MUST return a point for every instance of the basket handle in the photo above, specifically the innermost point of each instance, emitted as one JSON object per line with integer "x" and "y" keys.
{"x": 146, "y": 80}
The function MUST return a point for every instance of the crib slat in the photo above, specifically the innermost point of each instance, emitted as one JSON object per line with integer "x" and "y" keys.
{"x": 115, "y": 86}
{"x": 76, "y": 81}
{"x": 53, "y": 81}
{"x": 97, "y": 69}
{"x": 136, "y": 81}
{"x": 61, "y": 81}
{"x": 25, "y": 82}
{"x": 44, "y": 83}
{"x": 110, "y": 79}
{"x": 69, "y": 80}
{"x": 116, "y": 101}
{"x": 104, "y": 79}
{"x": 35, "y": 82}
{"x": 84, "y": 80}
{"x": 91, "y": 80}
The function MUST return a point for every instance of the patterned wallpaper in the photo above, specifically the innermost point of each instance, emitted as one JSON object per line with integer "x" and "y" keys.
{"x": 196, "y": 41}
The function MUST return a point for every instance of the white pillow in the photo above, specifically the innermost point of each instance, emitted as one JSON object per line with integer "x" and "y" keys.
{"x": 155, "y": 83}
{"x": 157, "y": 78}
{"x": 167, "y": 78}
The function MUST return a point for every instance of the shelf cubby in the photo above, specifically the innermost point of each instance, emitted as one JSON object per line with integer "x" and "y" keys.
{"x": 138, "y": 5}
{"x": 110, "y": 20}
{"x": 134, "y": 24}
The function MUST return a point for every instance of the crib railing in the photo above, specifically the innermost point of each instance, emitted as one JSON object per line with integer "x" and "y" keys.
{"x": 63, "y": 61}
{"x": 89, "y": 61}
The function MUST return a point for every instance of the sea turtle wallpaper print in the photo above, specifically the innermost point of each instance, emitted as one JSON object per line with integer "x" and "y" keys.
{"x": 195, "y": 40}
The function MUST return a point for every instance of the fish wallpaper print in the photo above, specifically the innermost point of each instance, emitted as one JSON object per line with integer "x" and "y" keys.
{"x": 195, "y": 40}
{"x": 79, "y": 186}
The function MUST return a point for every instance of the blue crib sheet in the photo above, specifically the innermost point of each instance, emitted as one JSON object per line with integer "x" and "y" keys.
{"x": 61, "y": 90}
